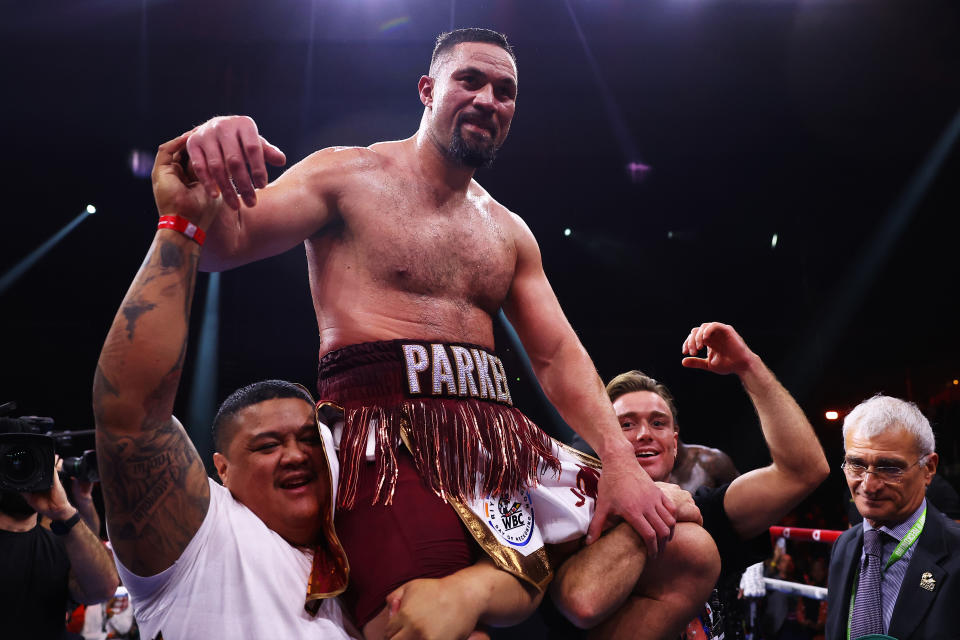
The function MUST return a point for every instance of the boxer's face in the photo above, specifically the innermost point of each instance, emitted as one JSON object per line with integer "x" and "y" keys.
{"x": 471, "y": 96}
{"x": 892, "y": 501}
{"x": 648, "y": 425}
{"x": 276, "y": 467}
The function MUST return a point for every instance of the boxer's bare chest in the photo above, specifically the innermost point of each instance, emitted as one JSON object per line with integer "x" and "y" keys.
{"x": 399, "y": 238}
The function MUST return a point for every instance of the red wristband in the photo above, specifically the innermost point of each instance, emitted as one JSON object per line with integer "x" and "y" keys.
{"x": 184, "y": 226}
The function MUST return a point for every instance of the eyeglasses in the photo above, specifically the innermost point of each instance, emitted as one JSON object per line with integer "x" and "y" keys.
{"x": 890, "y": 475}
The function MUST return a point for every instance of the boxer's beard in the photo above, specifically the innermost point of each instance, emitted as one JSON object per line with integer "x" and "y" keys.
{"x": 477, "y": 156}
{"x": 13, "y": 504}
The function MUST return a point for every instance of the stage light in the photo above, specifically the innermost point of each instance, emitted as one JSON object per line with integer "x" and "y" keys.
{"x": 567, "y": 231}
{"x": 773, "y": 241}
{"x": 832, "y": 415}
{"x": 141, "y": 163}
{"x": 638, "y": 171}
{"x": 91, "y": 208}
{"x": 956, "y": 382}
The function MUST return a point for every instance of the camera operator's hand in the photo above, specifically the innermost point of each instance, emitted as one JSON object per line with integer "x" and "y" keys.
{"x": 81, "y": 490}
{"x": 53, "y": 502}
{"x": 93, "y": 576}
{"x": 82, "y": 493}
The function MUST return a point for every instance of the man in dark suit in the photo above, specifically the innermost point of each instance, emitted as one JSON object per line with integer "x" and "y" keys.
{"x": 904, "y": 581}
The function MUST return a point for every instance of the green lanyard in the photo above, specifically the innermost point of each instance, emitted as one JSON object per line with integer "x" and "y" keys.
{"x": 906, "y": 543}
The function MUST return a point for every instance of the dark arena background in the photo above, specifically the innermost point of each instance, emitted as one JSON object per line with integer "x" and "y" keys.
{"x": 789, "y": 167}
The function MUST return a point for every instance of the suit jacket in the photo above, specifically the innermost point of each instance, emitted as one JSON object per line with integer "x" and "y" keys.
{"x": 918, "y": 614}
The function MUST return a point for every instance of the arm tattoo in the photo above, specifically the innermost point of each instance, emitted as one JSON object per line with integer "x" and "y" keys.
{"x": 132, "y": 312}
{"x": 170, "y": 261}
{"x": 170, "y": 256}
{"x": 156, "y": 494}
{"x": 154, "y": 484}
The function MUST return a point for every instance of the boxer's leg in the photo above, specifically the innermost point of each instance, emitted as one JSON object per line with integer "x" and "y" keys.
{"x": 417, "y": 536}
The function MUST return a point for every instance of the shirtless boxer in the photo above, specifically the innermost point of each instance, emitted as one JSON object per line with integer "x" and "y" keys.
{"x": 700, "y": 466}
{"x": 409, "y": 259}
{"x": 203, "y": 560}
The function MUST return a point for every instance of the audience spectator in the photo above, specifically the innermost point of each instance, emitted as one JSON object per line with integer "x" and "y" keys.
{"x": 898, "y": 572}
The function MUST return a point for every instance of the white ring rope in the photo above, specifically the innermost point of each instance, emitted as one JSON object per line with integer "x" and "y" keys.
{"x": 796, "y": 588}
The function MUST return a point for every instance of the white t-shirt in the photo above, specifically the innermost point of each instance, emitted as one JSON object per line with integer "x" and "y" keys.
{"x": 236, "y": 579}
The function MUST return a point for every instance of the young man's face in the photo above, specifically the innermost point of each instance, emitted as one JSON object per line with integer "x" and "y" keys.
{"x": 275, "y": 465}
{"x": 891, "y": 502}
{"x": 648, "y": 425}
{"x": 472, "y": 97}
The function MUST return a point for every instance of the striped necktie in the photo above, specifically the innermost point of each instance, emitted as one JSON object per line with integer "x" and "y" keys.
{"x": 867, "y": 608}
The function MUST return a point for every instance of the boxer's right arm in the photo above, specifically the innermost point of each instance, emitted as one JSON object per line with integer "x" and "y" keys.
{"x": 154, "y": 485}
{"x": 257, "y": 220}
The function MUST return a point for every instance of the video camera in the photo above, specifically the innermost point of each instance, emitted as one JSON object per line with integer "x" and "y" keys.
{"x": 27, "y": 448}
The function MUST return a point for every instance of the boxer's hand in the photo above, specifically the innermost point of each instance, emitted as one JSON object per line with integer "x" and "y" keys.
{"x": 687, "y": 509}
{"x": 625, "y": 490}
{"x": 726, "y": 350}
{"x": 428, "y": 609}
{"x": 175, "y": 192}
{"x": 228, "y": 155}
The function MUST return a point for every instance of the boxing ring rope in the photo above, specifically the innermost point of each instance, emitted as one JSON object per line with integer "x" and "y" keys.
{"x": 809, "y": 535}
{"x": 798, "y": 534}
{"x": 796, "y": 588}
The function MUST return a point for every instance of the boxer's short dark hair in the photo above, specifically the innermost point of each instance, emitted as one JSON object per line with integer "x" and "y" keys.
{"x": 449, "y": 39}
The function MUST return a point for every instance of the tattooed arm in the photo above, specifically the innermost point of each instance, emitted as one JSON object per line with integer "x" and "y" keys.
{"x": 154, "y": 484}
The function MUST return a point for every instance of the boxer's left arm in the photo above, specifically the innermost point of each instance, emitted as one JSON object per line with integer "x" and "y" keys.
{"x": 451, "y": 607}
{"x": 570, "y": 380}
{"x": 82, "y": 491}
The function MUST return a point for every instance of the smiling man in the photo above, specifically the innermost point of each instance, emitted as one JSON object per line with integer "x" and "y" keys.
{"x": 897, "y": 573}
{"x": 201, "y": 559}
{"x": 733, "y": 513}
{"x": 410, "y": 259}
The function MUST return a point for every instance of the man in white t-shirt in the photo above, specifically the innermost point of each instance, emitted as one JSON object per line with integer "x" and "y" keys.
{"x": 204, "y": 560}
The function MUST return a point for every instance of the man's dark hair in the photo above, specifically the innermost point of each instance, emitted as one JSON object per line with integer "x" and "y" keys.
{"x": 249, "y": 395}
{"x": 449, "y": 39}
{"x": 639, "y": 381}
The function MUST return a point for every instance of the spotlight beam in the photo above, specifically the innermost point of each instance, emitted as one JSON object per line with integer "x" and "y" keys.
{"x": 24, "y": 265}
{"x": 202, "y": 403}
{"x": 614, "y": 113}
{"x": 822, "y": 338}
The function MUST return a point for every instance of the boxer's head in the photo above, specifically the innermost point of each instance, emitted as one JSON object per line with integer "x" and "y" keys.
{"x": 648, "y": 417}
{"x": 269, "y": 453}
{"x": 889, "y": 458}
{"x": 469, "y": 95}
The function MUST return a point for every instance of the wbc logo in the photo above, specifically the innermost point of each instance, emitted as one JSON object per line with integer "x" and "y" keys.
{"x": 510, "y": 518}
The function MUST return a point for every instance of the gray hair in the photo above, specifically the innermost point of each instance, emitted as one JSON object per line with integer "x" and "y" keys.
{"x": 882, "y": 413}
